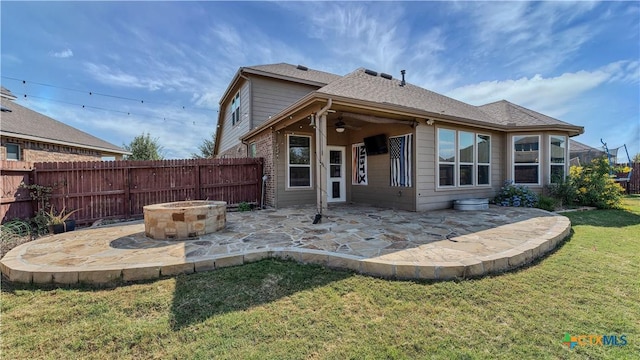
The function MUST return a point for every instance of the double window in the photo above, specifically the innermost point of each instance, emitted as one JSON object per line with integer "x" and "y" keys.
{"x": 298, "y": 161}
{"x": 235, "y": 109}
{"x": 464, "y": 158}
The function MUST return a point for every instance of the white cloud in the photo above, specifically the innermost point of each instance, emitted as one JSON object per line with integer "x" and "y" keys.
{"x": 66, "y": 53}
{"x": 552, "y": 95}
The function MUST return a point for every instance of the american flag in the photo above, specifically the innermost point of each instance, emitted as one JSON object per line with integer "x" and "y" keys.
{"x": 400, "y": 148}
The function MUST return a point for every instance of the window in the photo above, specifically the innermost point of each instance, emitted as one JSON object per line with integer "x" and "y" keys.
{"x": 299, "y": 161}
{"x": 13, "y": 151}
{"x": 252, "y": 150}
{"x": 526, "y": 159}
{"x": 466, "y": 155}
{"x": 464, "y": 158}
{"x": 446, "y": 157}
{"x": 558, "y": 153}
{"x": 235, "y": 109}
{"x": 484, "y": 159}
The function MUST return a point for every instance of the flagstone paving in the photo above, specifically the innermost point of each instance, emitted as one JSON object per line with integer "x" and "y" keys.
{"x": 443, "y": 244}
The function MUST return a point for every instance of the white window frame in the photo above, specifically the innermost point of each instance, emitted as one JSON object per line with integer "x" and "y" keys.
{"x": 438, "y": 162}
{"x": 6, "y": 146}
{"x": 466, "y": 163}
{"x": 289, "y": 166}
{"x": 235, "y": 109}
{"x": 253, "y": 149}
{"x": 513, "y": 158}
{"x": 564, "y": 156}
{"x": 479, "y": 164}
{"x": 457, "y": 161}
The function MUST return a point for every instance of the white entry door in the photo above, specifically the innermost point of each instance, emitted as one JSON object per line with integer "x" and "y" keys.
{"x": 336, "y": 182}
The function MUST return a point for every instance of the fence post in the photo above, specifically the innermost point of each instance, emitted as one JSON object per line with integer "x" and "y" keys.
{"x": 127, "y": 191}
{"x": 197, "y": 192}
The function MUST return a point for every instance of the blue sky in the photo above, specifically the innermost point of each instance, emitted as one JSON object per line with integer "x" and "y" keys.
{"x": 576, "y": 61}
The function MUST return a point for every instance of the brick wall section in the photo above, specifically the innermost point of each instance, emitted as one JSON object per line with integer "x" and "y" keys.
{"x": 51, "y": 156}
{"x": 265, "y": 144}
{"x": 34, "y": 151}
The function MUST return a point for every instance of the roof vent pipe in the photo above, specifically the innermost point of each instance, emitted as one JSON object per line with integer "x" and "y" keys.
{"x": 403, "y": 83}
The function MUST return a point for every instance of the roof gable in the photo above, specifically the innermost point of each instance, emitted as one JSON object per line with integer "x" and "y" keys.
{"x": 22, "y": 122}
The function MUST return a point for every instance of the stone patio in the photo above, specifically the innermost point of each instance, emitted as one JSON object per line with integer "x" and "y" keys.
{"x": 436, "y": 245}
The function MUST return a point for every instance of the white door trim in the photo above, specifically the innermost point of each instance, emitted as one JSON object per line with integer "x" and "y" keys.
{"x": 342, "y": 180}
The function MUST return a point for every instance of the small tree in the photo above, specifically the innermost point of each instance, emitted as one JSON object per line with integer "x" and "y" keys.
{"x": 144, "y": 147}
{"x": 636, "y": 158}
{"x": 207, "y": 148}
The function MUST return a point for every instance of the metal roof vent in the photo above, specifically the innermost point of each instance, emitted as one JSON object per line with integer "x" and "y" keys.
{"x": 4, "y": 109}
{"x": 403, "y": 83}
{"x": 370, "y": 72}
{"x": 302, "y": 67}
{"x": 386, "y": 76}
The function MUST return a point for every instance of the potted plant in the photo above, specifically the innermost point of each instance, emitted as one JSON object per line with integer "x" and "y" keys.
{"x": 59, "y": 223}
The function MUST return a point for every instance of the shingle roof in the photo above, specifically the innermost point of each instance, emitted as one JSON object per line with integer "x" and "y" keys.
{"x": 576, "y": 146}
{"x": 362, "y": 86}
{"x": 23, "y": 122}
{"x": 296, "y": 72}
{"x": 513, "y": 115}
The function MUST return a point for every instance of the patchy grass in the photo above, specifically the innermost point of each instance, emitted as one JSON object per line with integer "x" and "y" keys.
{"x": 282, "y": 310}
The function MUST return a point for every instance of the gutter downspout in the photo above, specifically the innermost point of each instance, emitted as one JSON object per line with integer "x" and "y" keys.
{"x": 321, "y": 145}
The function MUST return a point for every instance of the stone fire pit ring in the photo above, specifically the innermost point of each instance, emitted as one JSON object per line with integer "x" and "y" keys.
{"x": 184, "y": 219}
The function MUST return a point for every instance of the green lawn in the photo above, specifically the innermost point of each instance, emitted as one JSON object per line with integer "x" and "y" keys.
{"x": 279, "y": 310}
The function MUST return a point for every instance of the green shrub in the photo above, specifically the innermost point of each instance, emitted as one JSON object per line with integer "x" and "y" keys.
{"x": 547, "y": 203}
{"x": 563, "y": 192}
{"x": 594, "y": 186}
{"x": 515, "y": 195}
{"x": 244, "y": 206}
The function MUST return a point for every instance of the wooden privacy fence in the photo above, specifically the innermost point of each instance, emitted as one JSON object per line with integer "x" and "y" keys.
{"x": 120, "y": 189}
{"x": 15, "y": 201}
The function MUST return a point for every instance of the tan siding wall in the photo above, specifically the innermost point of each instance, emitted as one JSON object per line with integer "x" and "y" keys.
{"x": 429, "y": 197}
{"x": 379, "y": 191}
{"x": 270, "y": 96}
{"x": 230, "y": 136}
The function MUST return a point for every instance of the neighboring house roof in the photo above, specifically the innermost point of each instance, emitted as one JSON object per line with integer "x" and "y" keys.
{"x": 6, "y": 93}
{"x": 21, "y": 122}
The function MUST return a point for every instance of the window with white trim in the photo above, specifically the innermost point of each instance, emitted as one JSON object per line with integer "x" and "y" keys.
{"x": 253, "y": 151}
{"x": 558, "y": 158}
{"x": 464, "y": 158}
{"x": 235, "y": 109}
{"x": 13, "y": 151}
{"x": 298, "y": 161}
{"x": 484, "y": 159}
{"x": 526, "y": 159}
{"x": 446, "y": 157}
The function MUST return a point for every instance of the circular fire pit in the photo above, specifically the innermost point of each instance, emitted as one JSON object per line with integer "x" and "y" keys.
{"x": 184, "y": 219}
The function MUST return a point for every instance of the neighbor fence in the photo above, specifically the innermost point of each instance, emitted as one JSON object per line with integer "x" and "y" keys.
{"x": 120, "y": 189}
